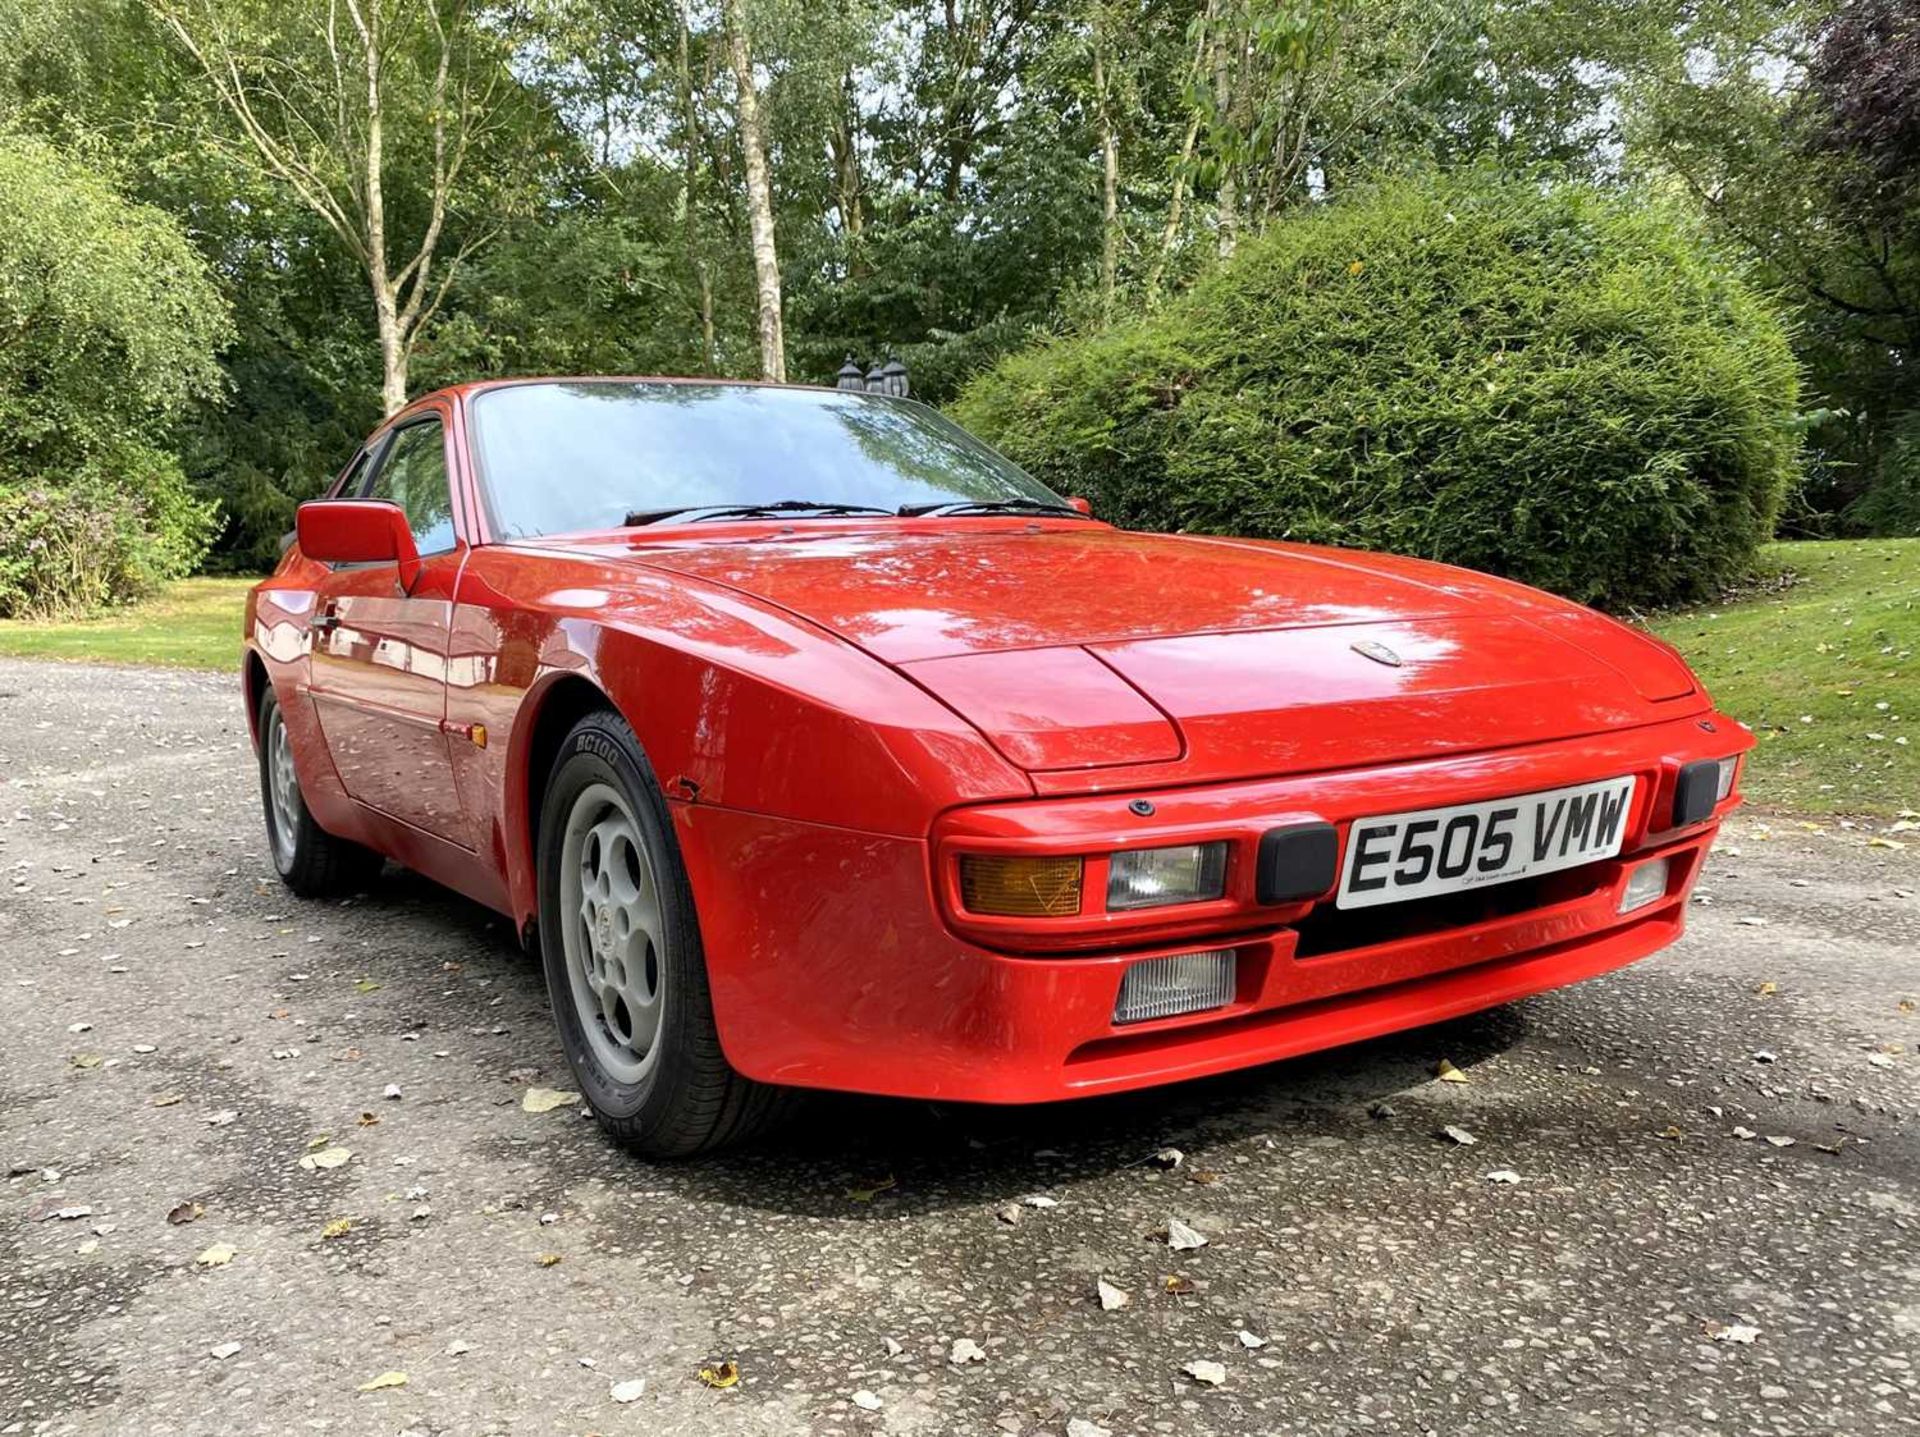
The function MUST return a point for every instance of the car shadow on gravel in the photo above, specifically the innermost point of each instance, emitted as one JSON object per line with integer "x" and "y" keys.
{"x": 927, "y": 1156}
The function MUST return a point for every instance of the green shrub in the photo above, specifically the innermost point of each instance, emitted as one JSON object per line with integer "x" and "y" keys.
{"x": 1551, "y": 383}
{"x": 1891, "y": 504}
{"x": 110, "y": 327}
{"x": 109, "y": 534}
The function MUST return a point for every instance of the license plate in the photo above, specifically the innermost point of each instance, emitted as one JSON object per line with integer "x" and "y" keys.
{"x": 1398, "y": 856}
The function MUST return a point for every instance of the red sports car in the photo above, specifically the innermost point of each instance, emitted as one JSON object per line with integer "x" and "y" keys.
{"x": 817, "y": 746}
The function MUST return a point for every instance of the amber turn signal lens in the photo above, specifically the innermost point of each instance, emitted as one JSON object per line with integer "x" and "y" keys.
{"x": 1009, "y": 886}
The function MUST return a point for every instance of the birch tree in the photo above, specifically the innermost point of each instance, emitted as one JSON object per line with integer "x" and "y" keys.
{"x": 321, "y": 93}
{"x": 753, "y": 148}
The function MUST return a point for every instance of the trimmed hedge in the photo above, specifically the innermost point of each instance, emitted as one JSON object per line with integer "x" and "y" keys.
{"x": 1563, "y": 386}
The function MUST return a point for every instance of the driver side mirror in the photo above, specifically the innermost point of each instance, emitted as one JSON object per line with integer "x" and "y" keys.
{"x": 358, "y": 531}
{"x": 1085, "y": 506}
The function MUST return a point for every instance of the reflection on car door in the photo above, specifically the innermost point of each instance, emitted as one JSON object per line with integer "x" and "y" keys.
{"x": 380, "y": 651}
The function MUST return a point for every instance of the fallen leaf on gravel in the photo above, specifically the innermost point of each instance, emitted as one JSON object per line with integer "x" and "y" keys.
{"x": 92, "y": 1244}
{"x": 1206, "y": 1177}
{"x": 392, "y": 1091}
{"x": 325, "y": 1158}
{"x": 1169, "y": 1158}
{"x": 1736, "y": 1332}
{"x": 1880, "y": 1060}
{"x": 1765, "y": 1055}
{"x": 1905, "y": 1005}
{"x": 385, "y": 1379}
{"x": 165, "y": 1100}
{"x": 369, "y": 1120}
{"x": 1111, "y": 1298}
{"x": 221, "y": 1118}
{"x": 1176, "y": 1286}
{"x": 545, "y": 1100}
{"x": 63, "y": 1211}
{"x": 1080, "y": 1427}
{"x": 1503, "y": 1175}
{"x": 1752, "y": 920}
{"x": 1767, "y": 990}
{"x": 866, "y": 1401}
{"x": 1182, "y": 1238}
{"x": 85, "y": 1060}
{"x": 458, "y": 1347}
{"x": 549, "y": 1259}
{"x": 1447, "y": 1073}
{"x": 892, "y": 1346}
{"x": 1249, "y": 1341}
{"x": 366, "y": 985}
{"x": 628, "y": 1391}
{"x": 185, "y": 1213}
{"x": 1745, "y": 1134}
{"x": 965, "y": 1350}
{"x": 224, "y": 1350}
{"x": 1671, "y": 1133}
{"x": 144, "y": 1048}
{"x": 721, "y": 1375}
{"x": 1459, "y": 1135}
{"x": 1202, "y": 1370}
{"x": 339, "y": 1227}
{"x": 79, "y": 1027}
{"x": 219, "y": 1255}
{"x": 282, "y": 1054}
{"x": 1780, "y": 1142}
{"x": 1040, "y": 1200}
{"x": 867, "y": 1192}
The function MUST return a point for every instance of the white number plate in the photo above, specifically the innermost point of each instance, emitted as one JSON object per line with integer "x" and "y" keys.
{"x": 1398, "y": 856}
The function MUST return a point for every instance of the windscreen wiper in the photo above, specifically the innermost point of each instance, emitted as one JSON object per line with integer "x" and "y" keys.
{"x": 698, "y": 513}
{"x": 985, "y": 506}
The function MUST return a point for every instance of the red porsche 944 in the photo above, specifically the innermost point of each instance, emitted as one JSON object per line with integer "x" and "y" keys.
{"x": 815, "y": 745}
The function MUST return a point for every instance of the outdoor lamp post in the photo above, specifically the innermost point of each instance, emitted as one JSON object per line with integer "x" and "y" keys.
{"x": 889, "y": 378}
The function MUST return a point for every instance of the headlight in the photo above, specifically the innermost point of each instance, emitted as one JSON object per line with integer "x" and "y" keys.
{"x": 1009, "y": 886}
{"x": 1155, "y": 877}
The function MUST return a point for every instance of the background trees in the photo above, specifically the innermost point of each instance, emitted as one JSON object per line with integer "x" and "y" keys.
{"x": 393, "y": 194}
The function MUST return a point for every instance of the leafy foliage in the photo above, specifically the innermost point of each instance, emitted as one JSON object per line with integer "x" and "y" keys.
{"x": 112, "y": 326}
{"x": 1550, "y": 383}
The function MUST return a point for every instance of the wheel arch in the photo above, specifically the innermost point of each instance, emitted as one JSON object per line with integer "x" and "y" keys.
{"x": 555, "y": 708}
{"x": 254, "y": 681}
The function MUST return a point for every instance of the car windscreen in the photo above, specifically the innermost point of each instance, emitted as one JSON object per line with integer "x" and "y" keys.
{"x": 558, "y": 458}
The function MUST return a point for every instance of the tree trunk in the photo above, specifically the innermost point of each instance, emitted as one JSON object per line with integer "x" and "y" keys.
{"x": 753, "y": 146}
{"x": 386, "y": 300}
{"x": 1109, "y": 184}
{"x": 1225, "y": 106}
{"x": 690, "y": 188}
{"x": 1170, "y": 233}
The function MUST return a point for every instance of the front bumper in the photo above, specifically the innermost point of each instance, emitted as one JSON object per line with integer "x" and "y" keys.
{"x": 837, "y": 959}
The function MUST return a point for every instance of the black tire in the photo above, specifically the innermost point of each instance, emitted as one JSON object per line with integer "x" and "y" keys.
{"x": 687, "y": 1099}
{"x": 310, "y": 861}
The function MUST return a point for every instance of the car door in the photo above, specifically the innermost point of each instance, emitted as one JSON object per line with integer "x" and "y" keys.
{"x": 379, "y": 655}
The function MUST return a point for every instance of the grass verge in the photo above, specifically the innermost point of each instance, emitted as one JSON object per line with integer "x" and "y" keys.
{"x": 194, "y": 624}
{"x": 1824, "y": 670}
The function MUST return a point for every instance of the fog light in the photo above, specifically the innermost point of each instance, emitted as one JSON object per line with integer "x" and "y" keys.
{"x": 1154, "y": 877}
{"x": 1163, "y": 987}
{"x": 1646, "y": 884}
{"x": 1728, "y": 768}
{"x": 1009, "y": 886}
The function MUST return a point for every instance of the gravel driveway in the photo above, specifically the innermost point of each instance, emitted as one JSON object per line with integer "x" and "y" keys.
{"x": 1714, "y": 1227}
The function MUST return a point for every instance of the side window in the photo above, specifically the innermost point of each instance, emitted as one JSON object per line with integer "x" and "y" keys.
{"x": 414, "y": 476}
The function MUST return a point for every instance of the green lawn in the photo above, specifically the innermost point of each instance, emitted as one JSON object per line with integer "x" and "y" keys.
{"x": 1824, "y": 672}
{"x": 1819, "y": 659}
{"x": 195, "y": 624}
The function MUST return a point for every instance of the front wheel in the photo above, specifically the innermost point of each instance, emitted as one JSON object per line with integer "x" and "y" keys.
{"x": 620, "y": 943}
